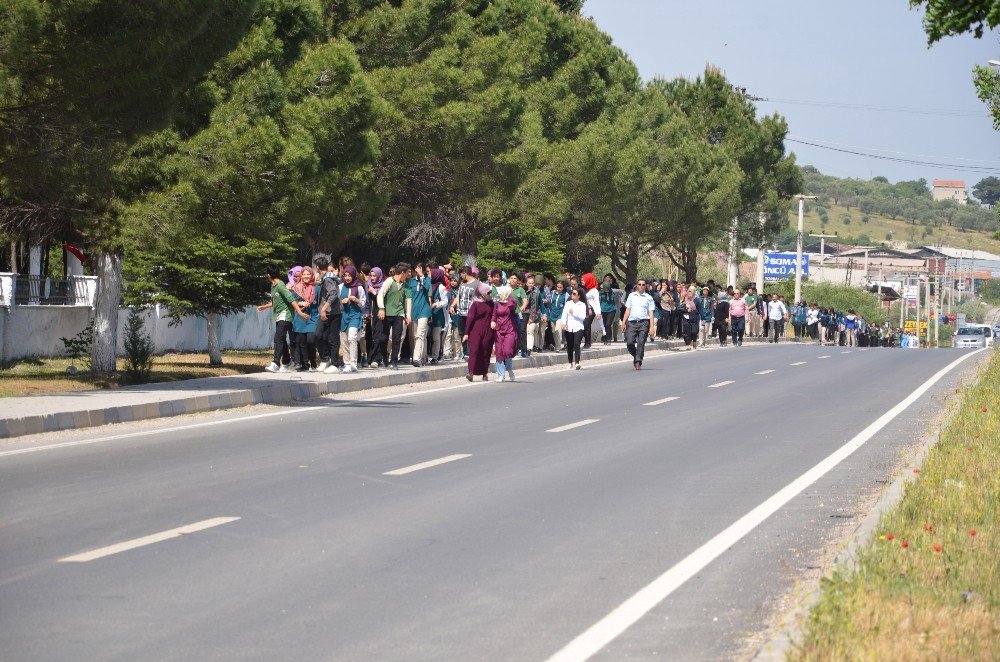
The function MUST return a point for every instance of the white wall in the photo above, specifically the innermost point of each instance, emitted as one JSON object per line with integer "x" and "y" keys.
{"x": 35, "y": 330}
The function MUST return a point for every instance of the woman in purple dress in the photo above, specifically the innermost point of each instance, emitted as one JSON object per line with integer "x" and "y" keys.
{"x": 503, "y": 325}
{"x": 478, "y": 333}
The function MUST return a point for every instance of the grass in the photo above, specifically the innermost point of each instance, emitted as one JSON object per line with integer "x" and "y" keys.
{"x": 45, "y": 376}
{"x": 878, "y": 226}
{"x": 927, "y": 587}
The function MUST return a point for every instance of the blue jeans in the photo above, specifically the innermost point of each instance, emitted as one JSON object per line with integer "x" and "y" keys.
{"x": 506, "y": 364}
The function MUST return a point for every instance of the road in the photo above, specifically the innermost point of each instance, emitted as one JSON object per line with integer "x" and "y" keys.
{"x": 554, "y": 500}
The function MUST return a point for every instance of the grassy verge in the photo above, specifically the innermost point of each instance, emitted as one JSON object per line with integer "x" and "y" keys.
{"x": 42, "y": 376}
{"x": 927, "y": 587}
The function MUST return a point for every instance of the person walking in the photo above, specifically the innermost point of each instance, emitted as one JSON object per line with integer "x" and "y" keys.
{"x": 608, "y": 308}
{"x": 721, "y": 318}
{"x": 812, "y": 323}
{"x": 377, "y": 351}
{"x": 706, "y": 314}
{"x": 282, "y": 309}
{"x": 418, "y": 314}
{"x": 306, "y": 292}
{"x": 439, "y": 312}
{"x": 753, "y": 318}
{"x": 689, "y": 320}
{"x": 392, "y": 310}
{"x": 670, "y": 305}
{"x": 478, "y": 333}
{"x": 593, "y": 300}
{"x": 463, "y": 301}
{"x": 503, "y": 322}
{"x": 573, "y": 319}
{"x": 330, "y": 310}
{"x": 352, "y": 297}
{"x": 737, "y": 317}
{"x": 554, "y": 311}
{"x": 850, "y": 329}
{"x": 638, "y": 321}
{"x": 777, "y": 313}
{"x": 533, "y": 313}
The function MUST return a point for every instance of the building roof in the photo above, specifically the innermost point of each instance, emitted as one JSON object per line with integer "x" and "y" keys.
{"x": 966, "y": 253}
{"x": 949, "y": 183}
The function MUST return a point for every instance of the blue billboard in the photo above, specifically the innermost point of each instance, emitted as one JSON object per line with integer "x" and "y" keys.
{"x": 781, "y": 266}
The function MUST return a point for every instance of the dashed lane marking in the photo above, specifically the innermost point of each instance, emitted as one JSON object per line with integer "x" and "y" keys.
{"x": 660, "y": 401}
{"x": 147, "y": 540}
{"x": 578, "y": 424}
{"x": 721, "y": 384}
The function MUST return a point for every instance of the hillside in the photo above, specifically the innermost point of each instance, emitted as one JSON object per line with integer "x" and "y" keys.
{"x": 876, "y": 211}
{"x": 878, "y": 228}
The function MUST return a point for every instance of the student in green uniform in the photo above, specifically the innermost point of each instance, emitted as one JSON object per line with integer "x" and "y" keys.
{"x": 282, "y": 308}
{"x": 392, "y": 309}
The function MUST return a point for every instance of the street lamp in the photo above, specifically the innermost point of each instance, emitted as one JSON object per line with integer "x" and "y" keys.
{"x": 798, "y": 246}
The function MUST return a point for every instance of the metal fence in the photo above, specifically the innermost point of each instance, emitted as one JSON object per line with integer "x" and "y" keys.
{"x": 39, "y": 291}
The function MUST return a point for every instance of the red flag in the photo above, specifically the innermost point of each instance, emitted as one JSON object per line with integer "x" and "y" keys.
{"x": 77, "y": 251}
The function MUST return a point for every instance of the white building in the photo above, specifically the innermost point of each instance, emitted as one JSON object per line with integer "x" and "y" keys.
{"x": 950, "y": 189}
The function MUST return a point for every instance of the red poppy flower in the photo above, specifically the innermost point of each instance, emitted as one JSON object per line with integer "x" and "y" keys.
{"x": 970, "y": 449}
{"x": 972, "y": 532}
{"x": 984, "y": 409}
{"x": 906, "y": 543}
{"x": 937, "y": 548}
{"x": 916, "y": 471}
{"x": 928, "y": 527}
{"x": 889, "y": 537}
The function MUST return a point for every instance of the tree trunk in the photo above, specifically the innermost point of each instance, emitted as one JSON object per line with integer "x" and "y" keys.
{"x": 470, "y": 248}
{"x": 214, "y": 350}
{"x": 108, "y": 267}
{"x": 632, "y": 263}
{"x": 686, "y": 261}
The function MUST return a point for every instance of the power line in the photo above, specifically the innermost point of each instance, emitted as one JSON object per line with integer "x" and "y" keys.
{"x": 892, "y": 151}
{"x": 951, "y": 166}
{"x": 948, "y": 112}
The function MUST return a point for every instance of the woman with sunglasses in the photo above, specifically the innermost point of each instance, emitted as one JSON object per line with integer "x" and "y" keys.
{"x": 574, "y": 317}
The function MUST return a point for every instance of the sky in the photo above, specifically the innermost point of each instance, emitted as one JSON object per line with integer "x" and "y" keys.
{"x": 825, "y": 66}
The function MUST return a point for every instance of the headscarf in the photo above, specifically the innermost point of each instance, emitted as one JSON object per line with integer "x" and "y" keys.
{"x": 503, "y": 293}
{"x": 376, "y": 278}
{"x": 437, "y": 276}
{"x": 294, "y": 271}
{"x": 589, "y": 281}
{"x": 306, "y": 292}
{"x": 482, "y": 292}
{"x": 354, "y": 289}
{"x": 689, "y": 301}
{"x": 606, "y": 287}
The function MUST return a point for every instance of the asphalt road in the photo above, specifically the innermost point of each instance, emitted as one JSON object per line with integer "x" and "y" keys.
{"x": 516, "y": 545}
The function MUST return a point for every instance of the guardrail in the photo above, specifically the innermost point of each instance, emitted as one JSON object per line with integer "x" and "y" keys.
{"x": 20, "y": 290}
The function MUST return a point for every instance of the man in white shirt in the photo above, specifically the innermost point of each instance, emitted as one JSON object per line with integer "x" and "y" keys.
{"x": 777, "y": 313}
{"x": 638, "y": 322}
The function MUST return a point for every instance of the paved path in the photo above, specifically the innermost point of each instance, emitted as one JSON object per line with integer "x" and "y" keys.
{"x": 468, "y": 521}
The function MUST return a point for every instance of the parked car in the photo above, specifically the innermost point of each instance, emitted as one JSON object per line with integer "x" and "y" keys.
{"x": 973, "y": 336}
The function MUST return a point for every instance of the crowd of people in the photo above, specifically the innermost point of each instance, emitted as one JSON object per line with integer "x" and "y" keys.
{"x": 336, "y": 317}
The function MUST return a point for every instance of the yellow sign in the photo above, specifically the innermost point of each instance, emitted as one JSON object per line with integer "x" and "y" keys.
{"x": 911, "y": 326}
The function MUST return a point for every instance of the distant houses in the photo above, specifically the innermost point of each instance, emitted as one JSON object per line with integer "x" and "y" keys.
{"x": 950, "y": 189}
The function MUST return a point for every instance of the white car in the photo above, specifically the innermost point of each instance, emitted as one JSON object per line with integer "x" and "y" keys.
{"x": 973, "y": 336}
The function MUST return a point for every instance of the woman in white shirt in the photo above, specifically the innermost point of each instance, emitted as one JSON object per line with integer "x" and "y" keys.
{"x": 573, "y": 318}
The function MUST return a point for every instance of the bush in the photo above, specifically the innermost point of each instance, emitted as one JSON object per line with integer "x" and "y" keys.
{"x": 78, "y": 347}
{"x": 841, "y": 297}
{"x": 138, "y": 350}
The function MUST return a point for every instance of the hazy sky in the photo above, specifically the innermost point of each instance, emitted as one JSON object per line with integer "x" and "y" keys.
{"x": 835, "y": 56}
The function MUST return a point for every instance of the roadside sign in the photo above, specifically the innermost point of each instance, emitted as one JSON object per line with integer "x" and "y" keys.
{"x": 910, "y": 326}
{"x": 911, "y": 293}
{"x": 781, "y": 266}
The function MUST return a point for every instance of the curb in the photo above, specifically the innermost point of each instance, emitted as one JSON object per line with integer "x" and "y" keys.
{"x": 778, "y": 647}
{"x": 277, "y": 394}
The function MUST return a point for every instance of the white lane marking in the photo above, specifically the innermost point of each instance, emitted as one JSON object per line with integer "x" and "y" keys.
{"x": 425, "y": 465}
{"x": 823, "y": 357}
{"x": 147, "y": 540}
{"x": 660, "y": 401}
{"x": 721, "y": 384}
{"x": 848, "y": 352}
{"x": 578, "y": 424}
{"x": 297, "y": 410}
{"x": 764, "y": 372}
{"x": 599, "y": 635}
{"x": 798, "y": 363}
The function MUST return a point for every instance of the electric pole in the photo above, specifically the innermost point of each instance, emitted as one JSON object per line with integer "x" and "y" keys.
{"x": 798, "y": 246}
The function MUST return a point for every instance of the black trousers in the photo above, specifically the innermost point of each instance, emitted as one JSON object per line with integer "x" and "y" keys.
{"x": 777, "y": 326}
{"x": 306, "y": 345}
{"x": 723, "y": 330}
{"x": 377, "y": 347}
{"x": 522, "y": 333}
{"x": 674, "y": 327}
{"x": 460, "y": 322}
{"x": 636, "y": 332}
{"x": 609, "y": 331}
{"x": 573, "y": 341}
{"x": 281, "y": 349}
{"x": 395, "y": 326}
{"x": 587, "y": 328}
{"x": 328, "y": 340}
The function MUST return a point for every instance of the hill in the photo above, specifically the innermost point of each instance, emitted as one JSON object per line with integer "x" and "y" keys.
{"x": 875, "y": 211}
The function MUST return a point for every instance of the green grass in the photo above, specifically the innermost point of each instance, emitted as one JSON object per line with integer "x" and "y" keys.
{"x": 878, "y": 226}
{"x": 927, "y": 587}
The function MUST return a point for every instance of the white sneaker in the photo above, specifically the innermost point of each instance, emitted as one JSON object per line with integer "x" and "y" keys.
{"x": 352, "y": 368}
{"x": 331, "y": 369}
{"x": 511, "y": 373}
{"x": 282, "y": 369}
{"x": 577, "y": 366}
{"x": 272, "y": 368}
{"x": 345, "y": 368}
{"x": 322, "y": 366}
{"x": 570, "y": 366}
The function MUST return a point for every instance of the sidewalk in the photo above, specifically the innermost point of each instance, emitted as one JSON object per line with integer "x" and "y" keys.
{"x": 82, "y": 409}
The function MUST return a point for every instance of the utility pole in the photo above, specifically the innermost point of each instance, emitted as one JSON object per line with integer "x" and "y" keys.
{"x": 732, "y": 270}
{"x": 822, "y": 244}
{"x": 937, "y": 317}
{"x": 929, "y": 312}
{"x": 798, "y": 246}
{"x": 759, "y": 281}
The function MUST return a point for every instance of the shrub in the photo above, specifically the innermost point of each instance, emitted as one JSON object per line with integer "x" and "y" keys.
{"x": 138, "y": 350}
{"x": 78, "y": 347}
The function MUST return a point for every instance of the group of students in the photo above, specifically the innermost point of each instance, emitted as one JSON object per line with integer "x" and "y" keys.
{"x": 335, "y": 317}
